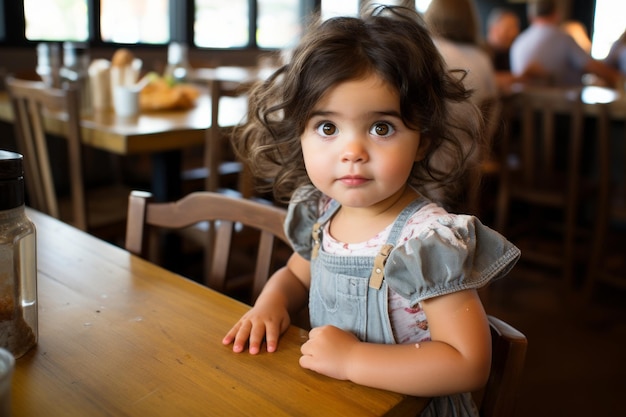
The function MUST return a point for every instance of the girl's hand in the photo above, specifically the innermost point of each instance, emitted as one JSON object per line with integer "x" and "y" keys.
{"x": 286, "y": 291}
{"x": 263, "y": 321}
{"x": 328, "y": 351}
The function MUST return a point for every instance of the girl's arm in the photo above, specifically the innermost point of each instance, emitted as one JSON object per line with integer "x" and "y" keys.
{"x": 456, "y": 360}
{"x": 285, "y": 293}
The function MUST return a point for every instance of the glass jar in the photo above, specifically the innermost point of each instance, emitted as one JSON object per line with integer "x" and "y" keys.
{"x": 74, "y": 71}
{"x": 49, "y": 63}
{"x": 18, "y": 261}
{"x": 177, "y": 69}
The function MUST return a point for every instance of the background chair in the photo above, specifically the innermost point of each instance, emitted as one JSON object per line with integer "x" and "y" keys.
{"x": 509, "y": 345}
{"x": 230, "y": 217}
{"x": 545, "y": 173}
{"x": 218, "y": 169}
{"x": 607, "y": 264}
{"x": 98, "y": 210}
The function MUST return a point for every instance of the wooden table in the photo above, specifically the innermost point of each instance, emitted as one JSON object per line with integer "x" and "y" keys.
{"x": 162, "y": 134}
{"x": 119, "y": 336}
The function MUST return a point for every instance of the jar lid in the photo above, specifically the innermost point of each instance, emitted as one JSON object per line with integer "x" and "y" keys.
{"x": 11, "y": 166}
{"x": 11, "y": 180}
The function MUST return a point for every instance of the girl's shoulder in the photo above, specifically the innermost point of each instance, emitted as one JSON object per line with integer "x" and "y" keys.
{"x": 424, "y": 218}
{"x": 439, "y": 253}
{"x": 302, "y": 213}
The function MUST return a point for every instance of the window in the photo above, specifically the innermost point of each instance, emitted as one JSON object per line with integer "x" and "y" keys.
{"x": 607, "y": 29}
{"x": 271, "y": 24}
{"x": 422, "y": 5}
{"x": 135, "y": 21}
{"x": 268, "y": 24}
{"x": 220, "y": 24}
{"x": 331, "y": 8}
{"x": 278, "y": 23}
{"x": 56, "y": 20}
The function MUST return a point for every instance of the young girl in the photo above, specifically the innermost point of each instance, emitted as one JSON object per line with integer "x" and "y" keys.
{"x": 362, "y": 124}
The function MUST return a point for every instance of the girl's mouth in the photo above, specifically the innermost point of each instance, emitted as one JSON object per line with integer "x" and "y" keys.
{"x": 353, "y": 180}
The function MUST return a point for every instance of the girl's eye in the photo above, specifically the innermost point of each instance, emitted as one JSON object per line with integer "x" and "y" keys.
{"x": 382, "y": 129}
{"x": 326, "y": 129}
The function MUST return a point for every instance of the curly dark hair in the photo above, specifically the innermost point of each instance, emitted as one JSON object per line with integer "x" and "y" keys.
{"x": 391, "y": 42}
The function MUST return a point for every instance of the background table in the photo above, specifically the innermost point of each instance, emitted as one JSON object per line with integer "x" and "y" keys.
{"x": 161, "y": 134}
{"x": 119, "y": 336}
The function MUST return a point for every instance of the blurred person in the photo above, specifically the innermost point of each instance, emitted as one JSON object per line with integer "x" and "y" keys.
{"x": 553, "y": 55}
{"x": 454, "y": 25}
{"x": 455, "y": 28}
{"x": 616, "y": 57}
{"x": 503, "y": 26}
{"x": 578, "y": 31}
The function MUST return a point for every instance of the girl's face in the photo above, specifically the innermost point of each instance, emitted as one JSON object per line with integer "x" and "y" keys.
{"x": 356, "y": 148}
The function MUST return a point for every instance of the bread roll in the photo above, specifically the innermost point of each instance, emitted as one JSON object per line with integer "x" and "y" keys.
{"x": 122, "y": 58}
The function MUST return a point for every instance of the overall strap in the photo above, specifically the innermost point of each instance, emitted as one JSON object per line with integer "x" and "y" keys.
{"x": 317, "y": 227}
{"x": 378, "y": 271}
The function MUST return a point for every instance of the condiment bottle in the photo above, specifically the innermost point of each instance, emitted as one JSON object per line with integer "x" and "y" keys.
{"x": 18, "y": 261}
{"x": 177, "y": 62}
{"x": 49, "y": 63}
{"x": 75, "y": 71}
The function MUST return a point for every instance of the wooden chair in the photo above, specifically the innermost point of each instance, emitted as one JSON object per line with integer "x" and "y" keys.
{"x": 498, "y": 398}
{"x": 218, "y": 162}
{"x": 607, "y": 264}
{"x": 227, "y": 213}
{"x": 98, "y": 210}
{"x": 542, "y": 171}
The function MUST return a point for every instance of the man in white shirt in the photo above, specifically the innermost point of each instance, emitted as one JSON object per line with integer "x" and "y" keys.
{"x": 547, "y": 52}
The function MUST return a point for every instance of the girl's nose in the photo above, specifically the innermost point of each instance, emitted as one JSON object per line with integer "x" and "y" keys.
{"x": 354, "y": 150}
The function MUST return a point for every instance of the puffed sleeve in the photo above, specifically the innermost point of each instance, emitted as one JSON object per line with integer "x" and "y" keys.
{"x": 302, "y": 214}
{"x": 456, "y": 252}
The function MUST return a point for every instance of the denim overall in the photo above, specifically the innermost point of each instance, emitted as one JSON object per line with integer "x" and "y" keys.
{"x": 347, "y": 291}
{"x": 350, "y": 293}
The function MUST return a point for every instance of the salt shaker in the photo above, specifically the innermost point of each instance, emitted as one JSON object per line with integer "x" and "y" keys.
{"x": 18, "y": 261}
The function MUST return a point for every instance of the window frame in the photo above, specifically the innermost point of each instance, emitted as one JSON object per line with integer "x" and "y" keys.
{"x": 182, "y": 15}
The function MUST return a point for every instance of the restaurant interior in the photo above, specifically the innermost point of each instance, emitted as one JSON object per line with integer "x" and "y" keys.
{"x": 567, "y": 292}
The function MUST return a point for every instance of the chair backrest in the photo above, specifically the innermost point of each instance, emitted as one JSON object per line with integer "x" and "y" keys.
{"x": 228, "y": 108}
{"x": 498, "y": 398}
{"x": 224, "y": 212}
{"x": 611, "y": 200}
{"x": 32, "y": 103}
{"x": 551, "y": 120}
{"x": 547, "y": 164}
